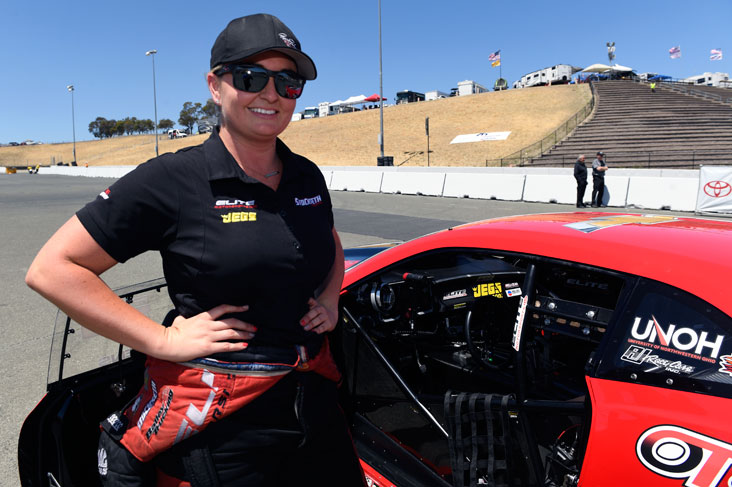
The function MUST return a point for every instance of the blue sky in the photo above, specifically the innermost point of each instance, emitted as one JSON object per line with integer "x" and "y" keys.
{"x": 100, "y": 46}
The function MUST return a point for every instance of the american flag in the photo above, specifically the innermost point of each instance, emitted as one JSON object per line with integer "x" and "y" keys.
{"x": 715, "y": 55}
{"x": 675, "y": 52}
{"x": 496, "y": 56}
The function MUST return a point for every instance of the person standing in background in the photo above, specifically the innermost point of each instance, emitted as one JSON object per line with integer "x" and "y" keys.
{"x": 598, "y": 180}
{"x": 580, "y": 174}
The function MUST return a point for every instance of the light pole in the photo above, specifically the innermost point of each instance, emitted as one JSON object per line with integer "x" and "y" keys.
{"x": 152, "y": 53}
{"x": 73, "y": 123}
{"x": 381, "y": 93}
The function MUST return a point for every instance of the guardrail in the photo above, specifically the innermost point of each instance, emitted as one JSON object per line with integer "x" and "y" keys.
{"x": 651, "y": 159}
{"x": 536, "y": 149}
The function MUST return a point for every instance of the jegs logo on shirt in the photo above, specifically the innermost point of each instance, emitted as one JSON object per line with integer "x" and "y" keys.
{"x": 313, "y": 201}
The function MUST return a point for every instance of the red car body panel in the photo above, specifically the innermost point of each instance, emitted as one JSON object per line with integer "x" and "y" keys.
{"x": 673, "y": 250}
{"x": 677, "y": 418}
{"x": 682, "y": 252}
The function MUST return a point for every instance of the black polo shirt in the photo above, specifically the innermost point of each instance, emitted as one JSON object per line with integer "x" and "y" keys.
{"x": 225, "y": 238}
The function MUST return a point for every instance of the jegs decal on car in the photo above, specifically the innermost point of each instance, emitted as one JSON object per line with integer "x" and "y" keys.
{"x": 679, "y": 453}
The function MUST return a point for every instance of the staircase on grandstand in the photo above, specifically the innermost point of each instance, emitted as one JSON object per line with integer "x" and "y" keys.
{"x": 635, "y": 127}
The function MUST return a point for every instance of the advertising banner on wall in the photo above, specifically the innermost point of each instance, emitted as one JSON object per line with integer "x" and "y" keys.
{"x": 715, "y": 189}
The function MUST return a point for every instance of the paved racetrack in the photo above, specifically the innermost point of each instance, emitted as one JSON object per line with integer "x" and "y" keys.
{"x": 34, "y": 206}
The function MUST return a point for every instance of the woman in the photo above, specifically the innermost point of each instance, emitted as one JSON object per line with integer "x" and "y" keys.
{"x": 240, "y": 388}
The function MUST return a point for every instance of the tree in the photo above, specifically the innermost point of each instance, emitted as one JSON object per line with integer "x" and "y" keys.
{"x": 146, "y": 125}
{"x": 165, "y": 124}
{"x": 95, "y": 127}
{"x": 210, "y": 109}
{"x": 189, "y": 115}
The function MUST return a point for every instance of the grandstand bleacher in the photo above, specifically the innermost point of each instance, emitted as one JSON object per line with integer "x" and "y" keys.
{"x": 639, "y": 128}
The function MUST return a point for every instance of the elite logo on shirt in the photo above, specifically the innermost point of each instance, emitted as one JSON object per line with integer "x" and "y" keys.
{"x": 235, "y": 204}
{"x": 312, "y": 201}
{"x": 105, "y": 194}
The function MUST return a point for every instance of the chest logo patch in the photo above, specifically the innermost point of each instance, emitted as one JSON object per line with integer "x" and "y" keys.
{"x": 235, "y": 204}
{"x": 239, "y": 217}
{"x": 313, "y": 201}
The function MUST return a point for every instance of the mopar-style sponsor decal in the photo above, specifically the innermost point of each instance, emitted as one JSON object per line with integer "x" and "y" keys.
{"x": 489, "y": 289}
{"x": 511, "y": 285}
{"x": 639, "y": 355}
{"x": 460, "y": 293}
{"x": 725, "y": 364}
{"x": 680, "y": 453}
{"x": 601, "y": 222}
{"x": 513, "y": 292}
{"x": 683, "y": 341}
{"x": 149, "y": 405}
{"x": 519, "y": 325}
{"x": 162, "y": 413}
{"x": 312, "y": 201}
{"x": 239, "y": 216}
{"x": 235, "y": 204}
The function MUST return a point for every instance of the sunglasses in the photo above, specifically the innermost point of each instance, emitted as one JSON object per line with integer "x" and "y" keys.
{"x": 253, "y": 79}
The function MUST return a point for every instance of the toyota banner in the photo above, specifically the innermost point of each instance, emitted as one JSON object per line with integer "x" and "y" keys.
{"x": 715, "y": 189}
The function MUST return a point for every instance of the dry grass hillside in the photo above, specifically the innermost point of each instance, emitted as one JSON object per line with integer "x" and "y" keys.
{"x": 352, "y": 138}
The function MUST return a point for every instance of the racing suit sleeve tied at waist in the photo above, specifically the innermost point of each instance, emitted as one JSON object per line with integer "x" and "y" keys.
{"x": 179, "y": 400}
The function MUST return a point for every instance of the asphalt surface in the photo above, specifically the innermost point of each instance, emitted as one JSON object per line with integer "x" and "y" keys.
{"x": 34, "y": 206}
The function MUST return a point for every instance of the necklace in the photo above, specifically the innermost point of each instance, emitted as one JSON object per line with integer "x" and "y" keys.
{"x": 270, "y": 174}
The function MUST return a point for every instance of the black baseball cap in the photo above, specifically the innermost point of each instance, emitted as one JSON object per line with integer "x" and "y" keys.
{"x": 253, "y": 34}
{"x": 600, "y": 153}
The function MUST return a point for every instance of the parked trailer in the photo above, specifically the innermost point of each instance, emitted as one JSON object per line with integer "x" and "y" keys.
{"x": 554, "y": 75}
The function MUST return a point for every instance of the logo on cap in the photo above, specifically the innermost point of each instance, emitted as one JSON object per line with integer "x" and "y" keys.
{"x": 289, "y": 42}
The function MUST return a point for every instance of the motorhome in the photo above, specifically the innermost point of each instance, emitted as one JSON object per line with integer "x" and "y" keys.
{"x": 553, "y": 75}
{"x": 310, "y": 112}
{"x": 709, "y": 79}
{"x": 408, "y": 96}
{"x": 469, "y": 87}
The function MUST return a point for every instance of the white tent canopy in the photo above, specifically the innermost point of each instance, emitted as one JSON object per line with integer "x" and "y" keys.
{"x": 604, "y": 68}
{"x": 596, "y": 68}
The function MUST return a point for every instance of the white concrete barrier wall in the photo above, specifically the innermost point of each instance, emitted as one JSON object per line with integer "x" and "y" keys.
{"x": 647, "y": 189}
{"x": 563, "y": 189}
{"x": 663, "y": 193}
{"x": 411, "y": 182}
{"x": 369, "y": 181}
{"x": 509, "y": 187}
{"x": 91, "y": 172}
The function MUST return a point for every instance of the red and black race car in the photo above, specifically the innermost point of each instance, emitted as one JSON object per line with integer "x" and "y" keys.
{"x": 589, "y": 349}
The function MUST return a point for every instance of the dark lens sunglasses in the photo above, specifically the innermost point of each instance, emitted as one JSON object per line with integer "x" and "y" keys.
{"x": 253, "y": 79}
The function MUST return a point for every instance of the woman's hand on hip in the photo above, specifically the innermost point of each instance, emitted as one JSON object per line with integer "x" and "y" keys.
{"x": 319, "y": 318}
{"x": 205, "y": 334}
